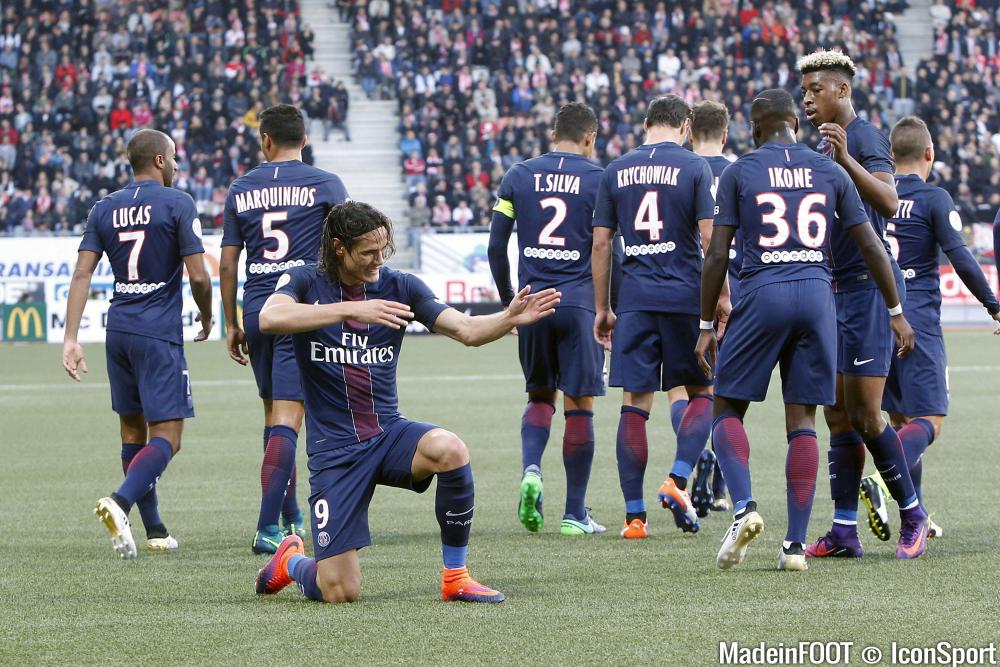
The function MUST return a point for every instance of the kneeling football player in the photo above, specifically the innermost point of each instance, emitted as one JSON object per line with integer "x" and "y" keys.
{"x": 347, "y": 316}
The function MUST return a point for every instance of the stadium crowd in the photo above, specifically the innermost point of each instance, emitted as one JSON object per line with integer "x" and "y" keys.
{"x": 478, "y": 83}
{"x": 76, "y": 79}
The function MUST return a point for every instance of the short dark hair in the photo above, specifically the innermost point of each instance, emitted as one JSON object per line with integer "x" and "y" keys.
{"x": 347, "y": 223}
{"x": 772, "y": 105}
{"x": 910, "y": 137}
{"x": 144, "y": 146}
{"x": 284, "y": 124}
{"x": 709, "y": 120}
{"x": 669, "y": 110}
{"x": 574, "y": 121}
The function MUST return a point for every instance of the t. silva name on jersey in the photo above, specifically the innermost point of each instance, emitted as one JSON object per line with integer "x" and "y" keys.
{"x": 354, "y": 351}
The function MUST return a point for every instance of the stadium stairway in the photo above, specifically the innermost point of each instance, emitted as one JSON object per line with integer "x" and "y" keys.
{"x": 370, "y": 163}
{"x": 915, "y": 32}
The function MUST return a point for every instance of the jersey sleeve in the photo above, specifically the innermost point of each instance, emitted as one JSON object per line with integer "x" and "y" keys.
{"x": 231, "y": 234}
{"x": 704, "y": 200}
{"x": 946, "y": 222}
{"x": 875, "y": 153}
{"x": 605, "y": 214}
{"x": 425, "y": 305}
{"x": 727, "y": 198}
{"x": 188, "y": 226}
{"x": 91, "y": 239}
{"x": 505, "y": 196}
{"x": 337, "y": 191}
{"x": 850, "y": 210}
{"x": 295, "y": 282}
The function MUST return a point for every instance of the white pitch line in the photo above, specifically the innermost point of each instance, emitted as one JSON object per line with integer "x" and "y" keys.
{"x": 74, "y": 386}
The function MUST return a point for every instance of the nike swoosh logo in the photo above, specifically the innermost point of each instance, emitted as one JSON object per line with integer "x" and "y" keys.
{"x": 862, "y": 363}
{"x": 449, "y": 512}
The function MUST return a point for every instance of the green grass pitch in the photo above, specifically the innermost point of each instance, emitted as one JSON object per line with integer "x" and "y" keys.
{"x": 66, "y": 598}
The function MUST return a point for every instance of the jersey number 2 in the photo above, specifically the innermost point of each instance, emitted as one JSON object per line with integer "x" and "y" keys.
{"x": 547, "y": 235}
{"x": 266, "y": 221}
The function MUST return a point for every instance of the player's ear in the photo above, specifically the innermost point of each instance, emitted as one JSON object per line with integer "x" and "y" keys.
{"x": 552, "y": 136}
{"x": 725, "y": 135}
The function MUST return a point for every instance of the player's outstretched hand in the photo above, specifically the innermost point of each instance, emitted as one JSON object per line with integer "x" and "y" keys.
{"x": 604, "y": 326}
{"x": 836, "y": 136}
{"x": 379, "y": 311}
{"x": 236, "y": 341}
{"x": 706, "y": 350}
{"x": 996, "y": 329}
{"x": 73, "y": 360}
{"x": 906, "y": 340}
{"x": 528, "y": 308}
{"x": 206, "y": 328}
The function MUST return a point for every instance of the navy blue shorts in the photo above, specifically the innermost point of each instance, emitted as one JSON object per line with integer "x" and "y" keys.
{"x": 655, "y": 352}
{"x": 792, "y": 325}
{"x": 865, "y": 338}
{"x": 342, "y": 490}
{"x": 148, "y": 376}
{"x": 917, "y": 386}
{"x": 559, "y": 352}
{"x": 273, "y": 361}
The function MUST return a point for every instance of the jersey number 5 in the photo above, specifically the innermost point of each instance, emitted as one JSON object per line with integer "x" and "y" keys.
{"x": 266, "y": 221}
{"x": 805, "y": 220}
{"x": 547, "y": 235}
{"x": 138, "y": 238}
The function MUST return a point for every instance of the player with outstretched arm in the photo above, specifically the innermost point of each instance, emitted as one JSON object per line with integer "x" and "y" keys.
{"x": 347, "y": 316}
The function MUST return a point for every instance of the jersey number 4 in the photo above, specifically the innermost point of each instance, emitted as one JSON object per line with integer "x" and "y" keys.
{"x": 807, "y": 220}
{"x": 266, "y": 222}
{"x": 647, "y": 218}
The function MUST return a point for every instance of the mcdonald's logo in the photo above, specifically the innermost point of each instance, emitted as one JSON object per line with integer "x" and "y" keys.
{"x": 24, "y": 321}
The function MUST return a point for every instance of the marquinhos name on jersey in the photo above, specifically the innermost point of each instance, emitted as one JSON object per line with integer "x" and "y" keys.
{"x": 274, "y": 197}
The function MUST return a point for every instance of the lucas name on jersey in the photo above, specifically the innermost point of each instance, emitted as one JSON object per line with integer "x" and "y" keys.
{"x": 648, "y": 175}
{"x": 353, "y": 351}
{"x": 281, "y": 197}
{"x": 131, "y": 216}
{"x": 565, "y": 183}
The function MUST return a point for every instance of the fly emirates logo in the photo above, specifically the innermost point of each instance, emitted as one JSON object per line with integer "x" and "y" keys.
{"x": 353, "y": 351}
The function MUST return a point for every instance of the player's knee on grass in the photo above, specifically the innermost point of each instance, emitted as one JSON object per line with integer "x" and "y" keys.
{"x": 339, "y": 589}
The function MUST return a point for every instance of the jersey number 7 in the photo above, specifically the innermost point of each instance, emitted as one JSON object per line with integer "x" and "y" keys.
{"x": 138, "y": 238}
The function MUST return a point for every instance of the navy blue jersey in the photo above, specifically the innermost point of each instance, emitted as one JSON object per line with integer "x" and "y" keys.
{"x": 787, "y": 201}
{"x": 277, "y": 211}
{"x": 870, "y": 147}
{"x": 349, "y": 369}
{"x": 925, "y": 221}
{"x": 551, "y": 197}
{"x": 146, "y": 229}
{"x": 655, "y": 196}
{"x": 718, "y": 164}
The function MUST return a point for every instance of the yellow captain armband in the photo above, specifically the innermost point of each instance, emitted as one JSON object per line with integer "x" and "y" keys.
{"x": 505, "y": 206}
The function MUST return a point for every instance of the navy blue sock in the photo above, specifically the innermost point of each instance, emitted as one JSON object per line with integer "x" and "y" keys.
{"x": 578, "y": 456}
{"x": 147, "y": 504}
{"x": 718, "y": 482}
{"x": 289, "y": 505}
{"x": 535, "y": 425}
{"x": 801, "y": 464}
{"x": 695, "y": 427}
{"x": 887, "y": 454}
{"x": 279, "y": 457}
{"x": 916, "y": 438}
{"x": 677, "y": 414}
{"x": 146, "y": 467}
{"x": 632, "y": 450}
{"x": 847, "y": 461}
{"x": 453, "y": 506}
{"x": 267, "y": 434}
{"x": 303, "y": 570}
{"x": 732, "y": 451}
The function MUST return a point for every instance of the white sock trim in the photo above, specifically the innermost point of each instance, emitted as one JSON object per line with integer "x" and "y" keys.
{"x": 845, "y": 522}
